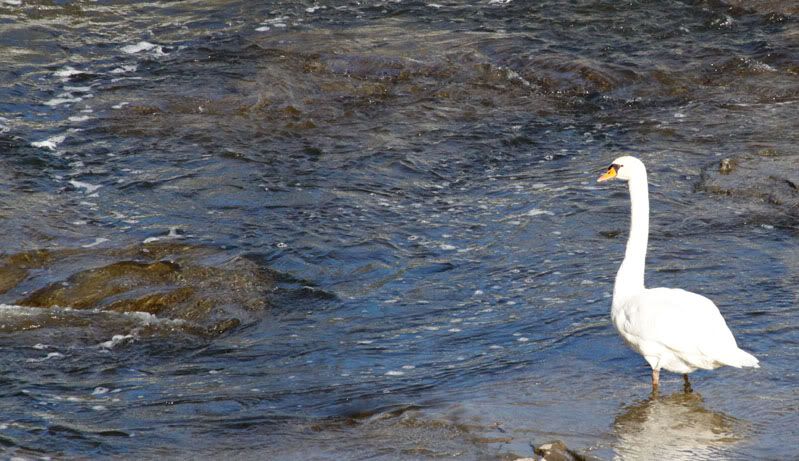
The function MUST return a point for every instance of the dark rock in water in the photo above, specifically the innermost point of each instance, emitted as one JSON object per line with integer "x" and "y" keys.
{"x": 210, "y": 291}
{"x": 765, "y": 177}
{"x": 558, "y": 451}
{"x": 766, "y": 6}
{"x": 87, "y": 289}
{"x": 726, "y": 166}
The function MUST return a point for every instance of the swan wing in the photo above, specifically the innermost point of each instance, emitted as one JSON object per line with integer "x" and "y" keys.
{"x": 687, "y": 324}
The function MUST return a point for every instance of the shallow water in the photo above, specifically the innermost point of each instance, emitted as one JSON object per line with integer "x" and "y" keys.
{"x": 419, "y": 180}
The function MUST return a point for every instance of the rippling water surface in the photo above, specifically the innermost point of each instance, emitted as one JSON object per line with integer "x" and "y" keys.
{"x": 380, "y": 232}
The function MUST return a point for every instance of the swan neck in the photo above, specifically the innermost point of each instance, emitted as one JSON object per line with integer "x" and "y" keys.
{"x": 630, "y": 278}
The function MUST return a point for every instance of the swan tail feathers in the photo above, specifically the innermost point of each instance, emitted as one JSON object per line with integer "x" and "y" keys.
{"x": 741, "y": 359}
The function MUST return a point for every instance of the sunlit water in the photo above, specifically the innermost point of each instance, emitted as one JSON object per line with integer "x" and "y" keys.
{"x": 421, "y": 178}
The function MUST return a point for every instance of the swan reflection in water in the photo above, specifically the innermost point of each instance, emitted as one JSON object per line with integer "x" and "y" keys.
{"x": 674, "y": 427}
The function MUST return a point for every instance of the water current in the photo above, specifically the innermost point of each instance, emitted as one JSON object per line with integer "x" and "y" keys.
{"x": 371, "y": 229}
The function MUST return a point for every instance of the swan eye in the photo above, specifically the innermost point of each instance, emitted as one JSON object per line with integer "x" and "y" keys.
{"x": 615, "y": 167}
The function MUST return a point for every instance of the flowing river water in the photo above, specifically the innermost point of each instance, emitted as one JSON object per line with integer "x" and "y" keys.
{"x": 371, "y": 229}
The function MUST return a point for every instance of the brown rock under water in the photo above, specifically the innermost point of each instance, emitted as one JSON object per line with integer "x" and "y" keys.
{"x": 558, "y": 451}
{"x": 208, "y": 289}
{"x": 765, "y": 177}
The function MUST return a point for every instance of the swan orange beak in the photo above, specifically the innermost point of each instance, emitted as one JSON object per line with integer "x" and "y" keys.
{"x": 610, "y": 174}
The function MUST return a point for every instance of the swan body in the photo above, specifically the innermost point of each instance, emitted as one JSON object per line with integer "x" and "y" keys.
{"x": 673, "y": 329}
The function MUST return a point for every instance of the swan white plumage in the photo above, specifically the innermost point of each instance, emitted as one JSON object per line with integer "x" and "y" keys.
{"x": 672, "y": 329}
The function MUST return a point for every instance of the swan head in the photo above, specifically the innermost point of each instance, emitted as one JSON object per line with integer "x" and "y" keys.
{"x": 624, "y": 168}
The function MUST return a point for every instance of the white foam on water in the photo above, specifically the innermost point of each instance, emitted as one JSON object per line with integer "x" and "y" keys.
{"x": 11, "y": 2}
{"x": 68, "y": 71}
{"x": 51, "y": 355}
{"x": 124, "y": 69}
{"x": 100, "y": 390}
{"x": 147, "y": 319}
{"x": 78, "y": 89}
{"x": 50, "y": 143}
{"x": 142, "y": 46}
{"x": 395, "y": 373}
{"x": 267, "y": 24}
{"x": 119, "y": 79}
{"x": 312, "y": 9}
{"x": 79, "y": 118}
{"x": 172, "y": 235}
{"x": 114, "y": 341}
{"x": 513, "y": 75}
{"x": 538, "y": 212}
{"x": 96, "y": 242}
{"x": 120, "y": 105}
{"x": 89, "y": 188}
{"x": 20, "y": 311}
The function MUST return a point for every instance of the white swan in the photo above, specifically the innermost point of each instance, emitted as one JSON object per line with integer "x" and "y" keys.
{"x": 673, "y": 329}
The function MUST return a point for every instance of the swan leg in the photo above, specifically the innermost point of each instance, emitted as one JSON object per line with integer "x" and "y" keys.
{"x": 686, "y": 387}
{"x": 655, "y": 380}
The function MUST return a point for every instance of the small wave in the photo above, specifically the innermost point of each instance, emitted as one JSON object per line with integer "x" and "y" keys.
{"x": 51, "y": 355}
{"x": 50, "y": 143}
{"x": 157, "y": 50}
{"x": 115, "y": 341}
{"x": 138, "y": 47}
{"x": 148, "y": 319}
{"x": 67, "y": 72}
{"x": 174, "y": 234}
{"x": 89, "y": 188}
{"x": 124, "y": 69}
{"x": 278, "y": 22}
{"x": 96, "y": 242}
{"x": 537, "y": 212}
{"x": 63, "y": 98}
{"x": 78, "y": 89}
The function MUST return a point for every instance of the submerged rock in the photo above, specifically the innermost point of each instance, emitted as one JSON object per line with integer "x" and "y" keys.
{"x": 558, "y": 451}
{"x": 765, "y": 178}
{"x": 208, "y": 290}
{"x": 766, "y": 6}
